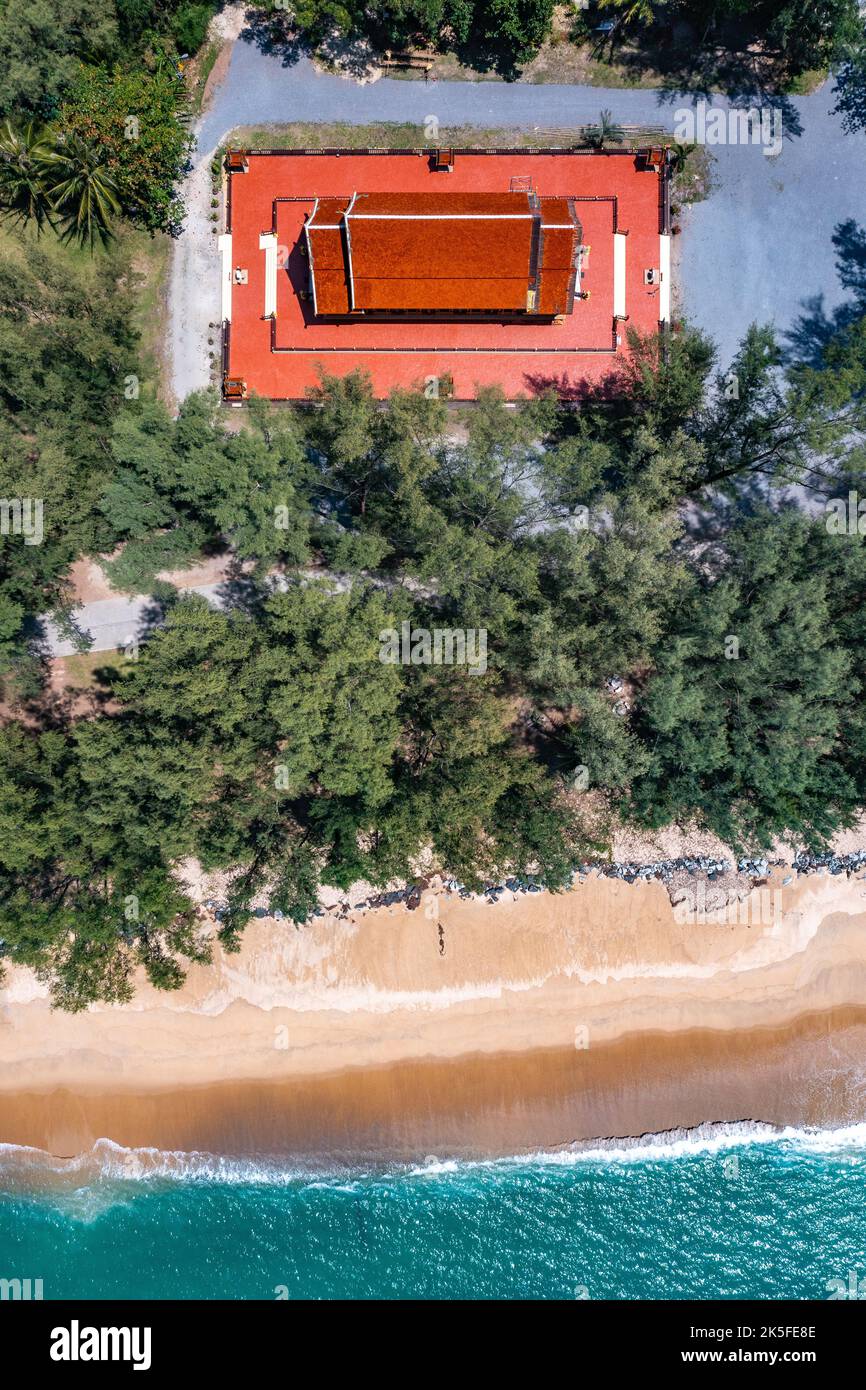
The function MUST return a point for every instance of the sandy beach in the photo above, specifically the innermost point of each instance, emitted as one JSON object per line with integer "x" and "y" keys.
{"x": 463, "y": 1028}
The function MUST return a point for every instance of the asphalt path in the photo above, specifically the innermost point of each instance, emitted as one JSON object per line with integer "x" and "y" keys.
{"x": 766, "y": 245}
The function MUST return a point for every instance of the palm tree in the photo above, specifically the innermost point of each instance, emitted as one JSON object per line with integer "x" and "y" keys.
{"x": 634, "y": 11}
{"x": 26, "y": 156}
{"x": 606, "y": 130}
{"x": 82, "y": 191}
{"x": 678, "y": 153}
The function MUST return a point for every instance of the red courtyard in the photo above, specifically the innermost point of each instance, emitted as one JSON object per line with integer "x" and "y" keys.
{"x": 460, "y": 268}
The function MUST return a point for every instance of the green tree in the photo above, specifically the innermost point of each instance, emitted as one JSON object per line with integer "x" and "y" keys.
{"x": 744, "y": 714}
{"x": 664, "y": 378}
{"x": 137, "y": 119}
{"x": 80, "y": 902}
{"x": 632, "y": 11}
{"x": 332, "y": 700}
{"x": 180, "y": 485}
{"x": 82, "y": 192}
{"x": 41, "y": 45}
{"x": 607, "y": 132}
{"x": 189, "y": 25}
{"x": 66, "y": 346}
{"x": 25, "y": 164}
{"x": 608, "y": 592}
{"x": 811, "y": 35}
{"x": 509, "y": 33}
{"x": 788, "y": 426}
{"x": 601, "y": 742}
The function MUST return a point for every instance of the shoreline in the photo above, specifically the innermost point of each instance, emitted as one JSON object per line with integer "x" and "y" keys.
{"x": 463, "y": 1031}
{"x": 644, "y": 1088}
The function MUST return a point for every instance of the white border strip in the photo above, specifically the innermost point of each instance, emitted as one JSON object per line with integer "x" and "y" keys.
{"x": 619, "y": 275}
{"x": 665, "y": 281}
{"x": 346, "y": 215}
{"x": 268, "y": 244}
{"x": 224, "y": 243}
{"x": 444, "y": 216}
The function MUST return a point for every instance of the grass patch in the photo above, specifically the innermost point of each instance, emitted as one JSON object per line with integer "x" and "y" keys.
{"x": 693, "y": 182}
{"x": 86, "y": 670}
{"x": 806, "y": 83}
{"x": 204, "y": 66}
{"x": 16, "y": 239}
{"x": 405, "y": 135}
{"x": 149, "y": 257}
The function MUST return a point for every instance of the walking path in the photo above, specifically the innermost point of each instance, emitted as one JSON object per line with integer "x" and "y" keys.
{"x": 759, "y": 248}
{"x": 118, "y": 623}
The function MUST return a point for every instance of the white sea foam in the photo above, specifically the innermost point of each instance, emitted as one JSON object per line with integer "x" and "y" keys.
{"x": 113, "y": 1162}
{"x": 715, "y": 1137}
{"x": 433, "y": 1167}
{"x": 708, "y": 1138}
{"x": 107, "y": 1162}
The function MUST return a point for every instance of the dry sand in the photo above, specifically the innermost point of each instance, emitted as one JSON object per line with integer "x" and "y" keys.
{"x": 542, "y": 1020}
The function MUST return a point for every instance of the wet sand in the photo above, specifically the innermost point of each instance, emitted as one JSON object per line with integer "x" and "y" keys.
{"x": 808, "y": 1073}
{"x": 547, "y": 1020}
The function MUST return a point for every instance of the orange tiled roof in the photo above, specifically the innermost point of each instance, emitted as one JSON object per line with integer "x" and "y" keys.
{"x": 509, "y": 253}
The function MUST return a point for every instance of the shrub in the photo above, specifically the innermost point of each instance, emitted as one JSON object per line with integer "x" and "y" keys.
{"x": 189, "y": 26}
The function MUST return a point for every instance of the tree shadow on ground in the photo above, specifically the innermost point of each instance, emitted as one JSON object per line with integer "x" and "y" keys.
{"x": 850, "y": 92}
{"x": 726, "y": 58}
{"x": 578, "y": 389}
{"x": 241, "y": 590}
{"x": 354, "y": 56}
{"x": 54, "y": 697}
{"x": 355, "y": 52}
{"x": 155, "y": 611}
{"x": 791, "y": 124}
{"x": 273, "y": 34}
{"x": 483, "y": 53}
{"x": 807, "y": 341}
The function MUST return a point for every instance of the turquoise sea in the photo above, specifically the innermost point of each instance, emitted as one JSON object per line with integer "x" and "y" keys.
{"x": 719, "y": 1213}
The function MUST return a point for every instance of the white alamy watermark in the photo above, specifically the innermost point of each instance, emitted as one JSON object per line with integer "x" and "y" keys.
{"x": 22, "y": 516}
{"x": 77, "y": 1343}
{"x": 761, "y": 908}
{"x": 853, "y": 1289}
{"x": 705, "y": 124}
{"x": 846, "y": 516}
{"x": 443, "y": 646}
{"x": 20, "y": 1290}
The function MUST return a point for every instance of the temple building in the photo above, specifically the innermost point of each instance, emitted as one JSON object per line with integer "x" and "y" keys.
{"x": 446, "y": 270}
{"x": 511, "y": 255}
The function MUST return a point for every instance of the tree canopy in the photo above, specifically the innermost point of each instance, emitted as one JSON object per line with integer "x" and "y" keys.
{"x": 666, "y": 636}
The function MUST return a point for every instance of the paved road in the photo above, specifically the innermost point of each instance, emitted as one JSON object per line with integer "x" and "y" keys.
{"x": 761, "y": 246}
{"x": 113, "y": 623}
{"x": 758, "y": 248}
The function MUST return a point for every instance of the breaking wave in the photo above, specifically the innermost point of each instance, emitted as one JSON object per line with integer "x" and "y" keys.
{"x": 106, "y": 1161}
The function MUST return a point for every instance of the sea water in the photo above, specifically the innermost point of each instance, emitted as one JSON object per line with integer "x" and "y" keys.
{"x": 724, "y": 1212}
